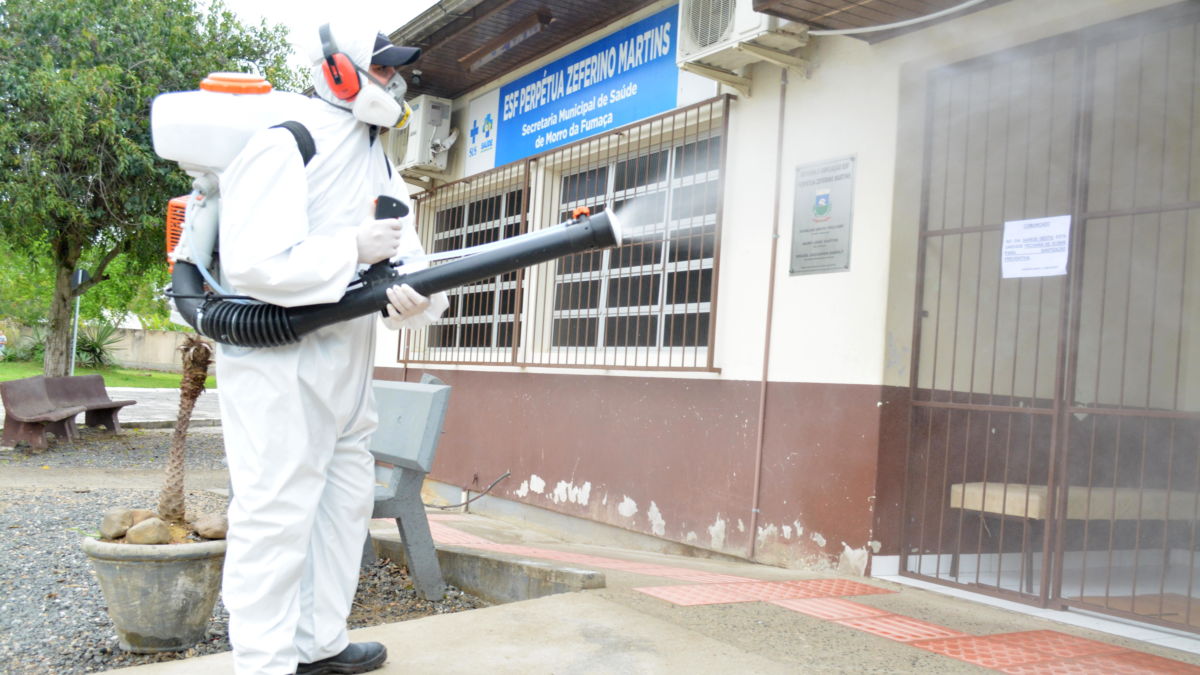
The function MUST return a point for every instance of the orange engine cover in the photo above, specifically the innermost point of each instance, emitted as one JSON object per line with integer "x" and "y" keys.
{"x": 175, "y": 210}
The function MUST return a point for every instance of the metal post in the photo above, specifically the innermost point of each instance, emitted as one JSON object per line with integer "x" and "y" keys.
{"x": 74, "y": 335}
{"x": 78, "y": 278}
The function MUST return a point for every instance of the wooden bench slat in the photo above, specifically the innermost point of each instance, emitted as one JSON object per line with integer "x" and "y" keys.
{"x": 1083, "y": 503}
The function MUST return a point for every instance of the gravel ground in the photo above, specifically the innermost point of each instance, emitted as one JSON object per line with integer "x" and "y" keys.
{"x": 52, "y": 614}
{"x": 131, "y": 449}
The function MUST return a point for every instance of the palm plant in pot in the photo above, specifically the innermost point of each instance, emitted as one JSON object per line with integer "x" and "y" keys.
{"x": 159, "y": 580}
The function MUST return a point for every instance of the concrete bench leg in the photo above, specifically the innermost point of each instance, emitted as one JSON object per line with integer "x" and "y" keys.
{"x": 409, "y": 512}
{"x": 104, "y": 418}
{"x": 33, "y": 433}
{"x": 64, "y": 429}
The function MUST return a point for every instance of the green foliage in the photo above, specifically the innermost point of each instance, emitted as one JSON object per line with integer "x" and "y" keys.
{"x": 25, "y": 284}
{"x": 94, "y": 344}
{"x": 113, "y": 377}
{"x": 30, "y": 347}
{"x": 164, "y": 323}
{"x": 80, "y": 185}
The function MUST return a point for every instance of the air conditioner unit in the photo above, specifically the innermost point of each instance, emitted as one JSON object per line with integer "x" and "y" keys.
{"x": 719, "y": 38}
{"x": 429, "y": 134}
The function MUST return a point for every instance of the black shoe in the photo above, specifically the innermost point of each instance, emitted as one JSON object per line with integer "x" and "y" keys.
{"x": 357, "y": 657}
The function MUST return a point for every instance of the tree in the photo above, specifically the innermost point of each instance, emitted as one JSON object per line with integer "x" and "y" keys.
{"x": 79, "y": 180}
{"x": 197, "y": 354}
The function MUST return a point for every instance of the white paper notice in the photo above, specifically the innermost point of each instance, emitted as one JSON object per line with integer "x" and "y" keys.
{"x": 1036, "y": 248}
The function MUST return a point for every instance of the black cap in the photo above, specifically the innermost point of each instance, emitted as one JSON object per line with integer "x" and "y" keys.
{"x": 388, "y": 54}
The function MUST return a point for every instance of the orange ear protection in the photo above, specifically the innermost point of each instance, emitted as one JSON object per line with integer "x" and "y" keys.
{"x": 340, "y": 73}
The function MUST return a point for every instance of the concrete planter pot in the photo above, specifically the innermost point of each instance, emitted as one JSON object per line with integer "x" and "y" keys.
{"x": 160, "y": 598}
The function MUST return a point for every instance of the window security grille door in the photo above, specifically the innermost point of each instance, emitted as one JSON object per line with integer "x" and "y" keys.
{"x": 1056, "y": 420}
{"x": 648, "y": 304}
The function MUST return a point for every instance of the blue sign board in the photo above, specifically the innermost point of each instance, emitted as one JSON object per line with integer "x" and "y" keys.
{"x": 622, "y": 78}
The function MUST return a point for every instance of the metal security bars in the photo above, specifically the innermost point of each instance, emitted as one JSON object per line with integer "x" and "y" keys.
{"x": 648, "y": 304}
{"x": 1054, "y": 454}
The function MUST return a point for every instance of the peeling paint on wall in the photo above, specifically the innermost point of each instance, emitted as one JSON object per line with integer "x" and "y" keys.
{"x": 628, "y": 507}
{"x": 524, "y": 489}
{"x": 766, "y": 532}
{"x": 537, "y": 484}
{"x": 658, "y": 526}
{"x": 716, "y": 533}
{"x": 741, "y": 525}
{"x": 691, "y": 538}
{"x": 820, "y": 540}
{"x": 568, "y": 492}
{"x": 853, "y": 560}
{"x": 799, "y": 528}
{"x": 875, "y": 546}
{"x": 787, "y": 531}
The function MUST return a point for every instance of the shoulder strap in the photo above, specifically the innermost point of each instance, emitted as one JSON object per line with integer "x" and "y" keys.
{"x": 304, "y": 140}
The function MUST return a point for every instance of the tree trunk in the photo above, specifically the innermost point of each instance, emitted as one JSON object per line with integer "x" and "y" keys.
{"x": 57, "y": 361}
{"x": 197, "y": 354}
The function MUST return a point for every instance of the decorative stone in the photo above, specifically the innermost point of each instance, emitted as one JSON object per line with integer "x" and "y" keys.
{"x": 149, "y": 531}
{"x": 115, "y": 523}
{"x": 142, "y": 514}
{"x": 211, "y": 525}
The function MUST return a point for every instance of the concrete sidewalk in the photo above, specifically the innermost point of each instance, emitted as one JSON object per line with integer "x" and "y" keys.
{"x": 569, "y": 604}
{"x": 657, "y": 613}
{"x": 157, "y": 408}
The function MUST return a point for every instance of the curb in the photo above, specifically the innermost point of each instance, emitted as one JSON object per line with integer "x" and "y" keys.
{"x": 497, "y": 577}
{"x": 168, "y": 424}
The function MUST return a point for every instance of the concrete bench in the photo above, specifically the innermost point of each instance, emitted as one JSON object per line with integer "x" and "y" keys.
{"x": 29, "y": 413}
{"x": 1030, "y": 505}
{"x": 411, "y": 416}
{"x": 87, "y": 391}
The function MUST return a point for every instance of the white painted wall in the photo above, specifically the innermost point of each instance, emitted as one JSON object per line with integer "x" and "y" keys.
{"x": 864, "y": 101}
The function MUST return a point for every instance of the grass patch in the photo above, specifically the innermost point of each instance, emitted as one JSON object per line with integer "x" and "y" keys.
{"x": 113, "y": 377}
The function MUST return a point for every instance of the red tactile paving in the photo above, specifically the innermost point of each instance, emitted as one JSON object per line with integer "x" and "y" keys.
{"x": 1065, "y": 667}
{"x": 900, "y": 628}
{"x": 1117, "y": 663}
{"x": 830, "y": 609}
{"x": 1148, "y": 663}
{"x": 982, "y": 651}
{"x": 749, "y": 591}
{"x": 1055, "y": 645}
{"x": 704, "y": 594}
{"x": 696, "y": 577}
{"x": 443, "y": 534}
{"x": 830, "y": 588}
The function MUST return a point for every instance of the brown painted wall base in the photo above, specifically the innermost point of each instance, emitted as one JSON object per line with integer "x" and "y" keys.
{"x": 675, "y": 458}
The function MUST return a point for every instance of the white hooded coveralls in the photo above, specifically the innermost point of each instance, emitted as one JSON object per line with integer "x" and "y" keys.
{"x": 297, "y": 419}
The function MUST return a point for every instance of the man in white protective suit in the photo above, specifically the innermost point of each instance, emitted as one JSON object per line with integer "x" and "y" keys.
{"x": 297, "y": 419}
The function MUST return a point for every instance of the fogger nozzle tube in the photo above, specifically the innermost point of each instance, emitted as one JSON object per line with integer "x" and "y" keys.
{"x": 262, "y": 325}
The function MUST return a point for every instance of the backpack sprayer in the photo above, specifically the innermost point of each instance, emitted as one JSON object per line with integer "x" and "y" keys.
{"x": 204, "y": 130}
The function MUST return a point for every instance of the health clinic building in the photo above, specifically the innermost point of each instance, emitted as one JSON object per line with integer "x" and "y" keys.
{"x": 922, "y": 300}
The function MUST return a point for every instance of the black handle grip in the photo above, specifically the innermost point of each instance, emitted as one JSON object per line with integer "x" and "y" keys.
{"x": 385, "y": 207}
{"x": 389, "y": 207}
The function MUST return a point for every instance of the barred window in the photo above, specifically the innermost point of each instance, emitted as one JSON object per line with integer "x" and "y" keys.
{"x": 647, "y": 304}
{"x": 656, "y": 289}
{"x": 481, "y": 314}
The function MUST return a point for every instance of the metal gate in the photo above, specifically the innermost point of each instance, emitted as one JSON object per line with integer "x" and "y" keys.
{"x": 1056, "y": 419}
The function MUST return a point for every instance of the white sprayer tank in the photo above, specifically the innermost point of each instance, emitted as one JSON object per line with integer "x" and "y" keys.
{"x": 204, "y": 130}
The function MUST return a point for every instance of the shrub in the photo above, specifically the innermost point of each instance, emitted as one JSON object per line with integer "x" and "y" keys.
{"x": 93, "y": 345}
{"x": 30, "y": 347}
